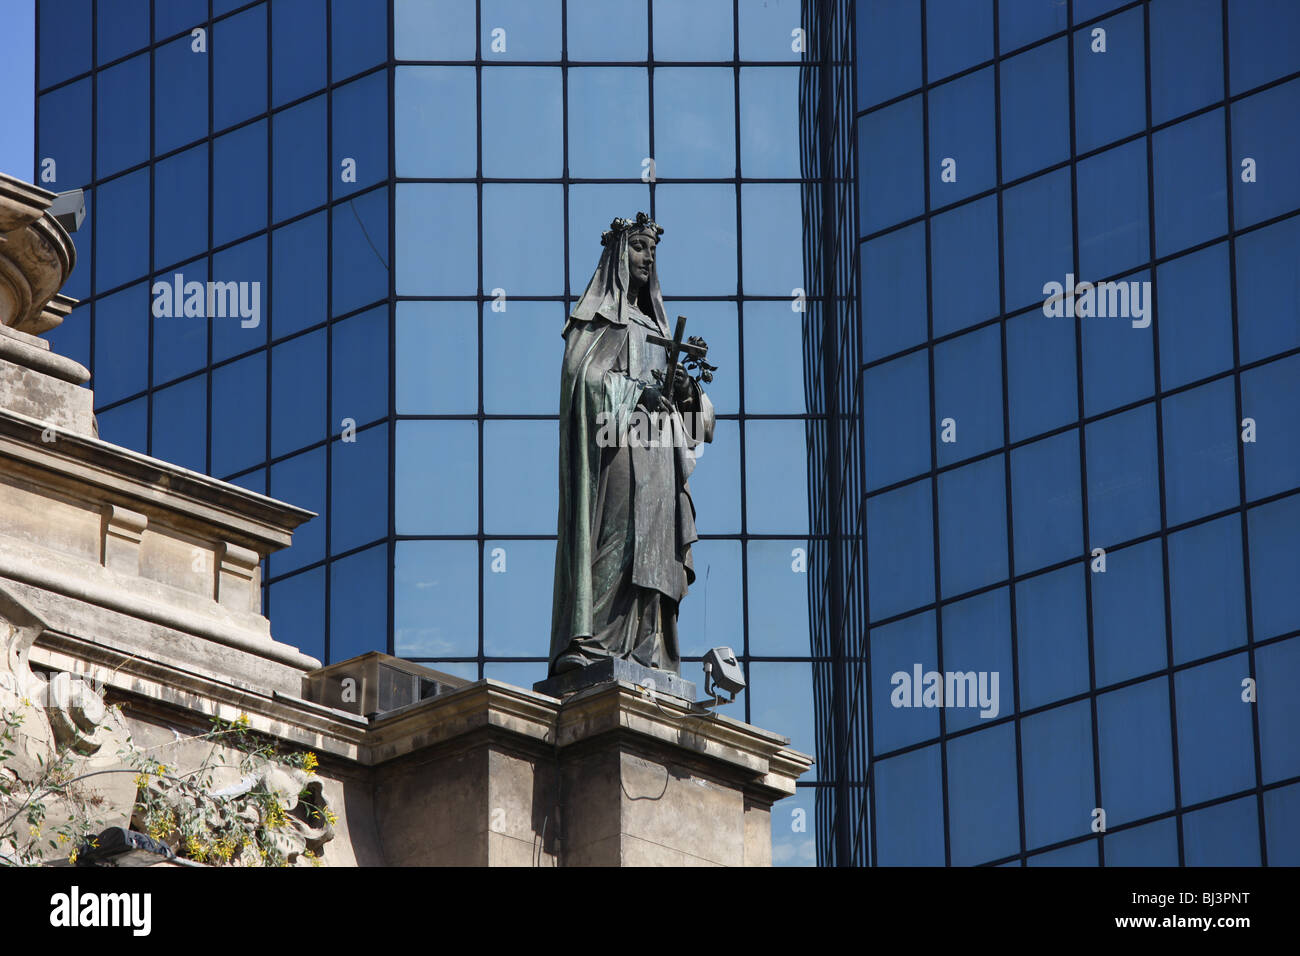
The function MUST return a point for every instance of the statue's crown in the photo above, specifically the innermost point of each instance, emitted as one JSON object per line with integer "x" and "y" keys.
{"x": 642, "y": 223}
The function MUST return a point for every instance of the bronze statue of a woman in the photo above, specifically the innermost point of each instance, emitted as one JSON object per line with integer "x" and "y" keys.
{"x": 626, "y": 519}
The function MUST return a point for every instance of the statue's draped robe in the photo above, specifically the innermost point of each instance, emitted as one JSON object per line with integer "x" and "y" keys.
{"x": 626, "y": 520}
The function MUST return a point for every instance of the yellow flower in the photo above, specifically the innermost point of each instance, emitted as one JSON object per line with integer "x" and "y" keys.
{"x": 241, "y": 722}
{"x": 72, "y": 858}
{"x": 196, "y": 849}
{"x": 331, "y": 816}
{"x": 141, "y": 780}
{"x": 310, "y": 762}
{"x": 61, "y": 837}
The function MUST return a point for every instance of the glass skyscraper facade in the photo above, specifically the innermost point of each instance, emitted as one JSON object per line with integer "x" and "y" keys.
{"x": 408, "y": 196}
{"x": 937, "y": 452}
{"x": 1078, "y": 507}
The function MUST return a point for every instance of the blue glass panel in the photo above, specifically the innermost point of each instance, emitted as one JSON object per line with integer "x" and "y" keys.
{"x": 909, "y": 794}
{"x": 78, "y": 285}
{"x": 297, "y": 612}
{"x": 1113, "y": 234}
{"x": 1038, "y": 246}
{"x": 435, "y": 599}
{"x": 589, "y": 37}
{"x": 774, "y": 378}
{"x": 1274, "y": 567}
{"x": 434, "y": 121}
{"x": 522, "y": 130}
{"x": 781, "y": 695}
{"x": 1090, "y": 9}
{"x": 359, "y": 36}
{"x": 794, "y": 829}
{"x": 360, "y": 144}
{"x": 772, "y": 236}
{"x": 713, "y": 615}
{"x": 1216, "y": 753}
{"x": 1051, "y": 637}
{"x": 65, "y": 39}
{"x": 983, "y": 805}
{"x": 239, "y": 183}
{"x": 359, "y": 472}
{"x": 298, "y": 393}
{"x": 961, "y": 130}
{"x": 301, "y": 480}
{"x": 358, "y": 603}
{"x": 180, "y": 96}
{"x": 1282, "y": 825}
{"x": 693, "y": 30}
{"x": 1270, "y": 394}
{"x": 1056, "y": 748}
{"x": 121, "y": 230}
{"x": 889, "y": 50}
{"x": 697, "y": 254}
{"x": 717, "y": 324}
{"x": 122, "y": 116}
{"x": 1261, "y": 41}
{"x": 1195, "y": 316}
{"x": 1041, "y": 379}
{"x": 1118, "y": 367}
{"x": 298, "y": 48}
{"x": 1262, "y": 129}
{"x": 1200, "y": 451}
{"x": 893, "y": 292}
{"x": 972, "y": 526}
{"x": 238, "y": 46}
{"x": 64, "y": 136}
{"x": 125, "y": 425}
{"x": 121, "y": 340}
{"x": 968, "y": 389}
{"x": 437, "y": 477}
{"x": 977, "y": 641}
{"x": 959, "y": 34}
{"x": 437, "y": 233}
{"x": 238, "y": 331}
{"x": 778, "y": 597}
{"x": 522, "y": 355}
{"x": 964, "y": 259}
{"x": 180, "y": 342}
{"x": 180, "y": 206}
{"x": 359, "y": 367}
{"x": 897, "y": 420}
{"x": 1136, "y": 753}
{"x": 1223, "y": 835}
{"x": 359, "y": 258}
{"x": 1128, "y": 614}
{"x": 1023, "y": 21}
{"x": 767, "y": 30}
{"x": 1123, "y": 484}
{"x": 1154, "y": 844}
{"x": 299, "y": 168}
{"x": 900, "y": 530}
{"x": 608, "y": 135}
{"x": 121, "y": 28}
{"x": 239, "y": 415}
{"x": 430, "y": 338}
{"x": 1191, "y": 195}
{"x": 1186, "y": 61}
{"x": 891, "y": 166}
{"x": 694, "y": 122}
{"x": 897, "y": 650}
{"x": 1047, "y": 506}
{"x": 715, "y": 483}
{"x": 1206, "y": 589}
{"x": 517, "y": 581}
{"x": 299, "y": 261}
{"x": 1278, "y": 667}
{"x": 590, "y": 210}
{"x": 520, "y": 31}
{"x": 433, "y": 30}
{"x": 180, "y": 416}
{"x": 1268, "y": 273}
{"x": 1077, "y": 854}
{"x": 519, "y": 500}
{"x": 178, "y": 15}
{"x": 1109, "y": 84}
{"x": 523, "y": 261}
{"x": 776, "y": 495}
{"x": 769, "y": 111}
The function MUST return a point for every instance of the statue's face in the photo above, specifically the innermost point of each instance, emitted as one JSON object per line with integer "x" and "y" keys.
{"x": 640, "y": 257}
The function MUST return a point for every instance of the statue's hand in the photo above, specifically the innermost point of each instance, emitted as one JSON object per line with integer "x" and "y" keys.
{"x": 653, "y": 400}
{"x": 681, "y": 384}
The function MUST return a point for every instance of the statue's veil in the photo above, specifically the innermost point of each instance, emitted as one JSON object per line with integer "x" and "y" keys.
{"x": 606, "y": 294}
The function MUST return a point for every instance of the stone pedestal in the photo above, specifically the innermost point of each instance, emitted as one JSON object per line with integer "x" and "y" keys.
{"x": 615, "y": 669}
